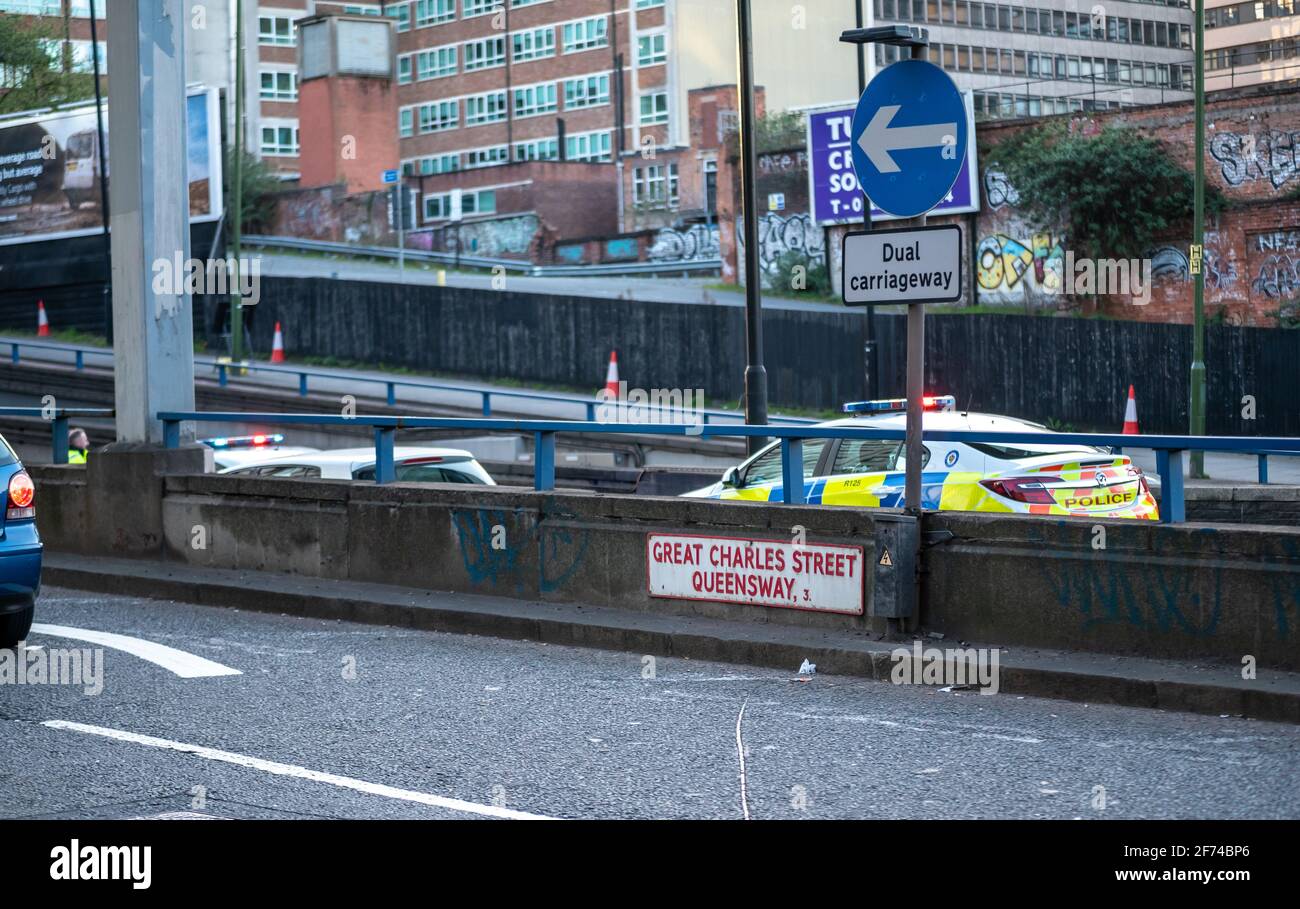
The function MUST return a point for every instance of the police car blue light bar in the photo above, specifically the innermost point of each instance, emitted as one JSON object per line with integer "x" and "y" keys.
{"x": 254, "y": 441}
{"x": 899, "y": 405}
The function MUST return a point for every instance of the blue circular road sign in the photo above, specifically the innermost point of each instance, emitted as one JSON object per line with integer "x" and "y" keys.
{"x": 909, "y": 137}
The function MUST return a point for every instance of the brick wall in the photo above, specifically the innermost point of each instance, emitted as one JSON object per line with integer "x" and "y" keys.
{"x": 1252, "y": 249}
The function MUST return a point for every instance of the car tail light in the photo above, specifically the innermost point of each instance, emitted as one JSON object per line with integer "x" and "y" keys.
{"x": 1023, "y": 489}
{"x": 22, "y": 496}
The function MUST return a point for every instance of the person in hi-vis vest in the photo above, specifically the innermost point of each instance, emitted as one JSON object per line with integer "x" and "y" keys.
{"x": 78, "y": 446}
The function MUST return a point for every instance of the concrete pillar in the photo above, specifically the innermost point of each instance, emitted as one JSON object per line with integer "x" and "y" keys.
{"x": 149, "y": 215}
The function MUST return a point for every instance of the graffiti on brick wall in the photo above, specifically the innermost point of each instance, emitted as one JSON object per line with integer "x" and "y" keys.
{"x": 998, "y": 190}
{"x": 698, "y": 241}
{"x": 778, "y": 235}
{"x": 499, "y": 237}
{"x": 1007, "y": 268}
{"x": 1278, "y": 277}
{"x": 1270, "y": 155}
{"x": 1171, "y": 263}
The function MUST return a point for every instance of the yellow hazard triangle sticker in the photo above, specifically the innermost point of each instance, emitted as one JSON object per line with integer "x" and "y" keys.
{"x": 884, "y": 557}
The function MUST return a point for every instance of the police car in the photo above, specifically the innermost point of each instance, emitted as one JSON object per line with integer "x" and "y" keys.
{"x": 1043, "y": 478}
{"x": 234, "y": 451}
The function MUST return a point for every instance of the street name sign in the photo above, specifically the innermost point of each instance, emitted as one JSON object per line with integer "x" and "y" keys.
{"x": 390, "y": 176}
{"x": 904, "y": 265}
{"x": 909, "y": 137}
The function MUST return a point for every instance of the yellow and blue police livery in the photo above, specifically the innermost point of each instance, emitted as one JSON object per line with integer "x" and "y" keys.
{"x": 1028, "y": 478}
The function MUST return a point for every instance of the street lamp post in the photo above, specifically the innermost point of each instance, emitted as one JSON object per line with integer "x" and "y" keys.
{"x": 1196, "y": 409}
{"x": 755, "y": 373}
{"x": 237, "y": 192}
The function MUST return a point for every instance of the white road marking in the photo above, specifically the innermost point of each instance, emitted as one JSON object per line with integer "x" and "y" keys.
{"x": 740, "y": 751}
{"x": 302, "y": 773}
{"x": 178, "y": 662}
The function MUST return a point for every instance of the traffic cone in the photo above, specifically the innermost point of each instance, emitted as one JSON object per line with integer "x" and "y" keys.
{"x": 42, "y": 320}
{"x": 1131, "y": 415}
{"x": 611, "y": 377}
{"x": 277, "y": 346}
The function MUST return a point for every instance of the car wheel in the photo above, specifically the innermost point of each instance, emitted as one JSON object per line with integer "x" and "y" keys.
{"x": 14, "y": 627}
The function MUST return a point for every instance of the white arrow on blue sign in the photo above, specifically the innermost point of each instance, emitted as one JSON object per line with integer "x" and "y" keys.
{"x": 909, "y": 137}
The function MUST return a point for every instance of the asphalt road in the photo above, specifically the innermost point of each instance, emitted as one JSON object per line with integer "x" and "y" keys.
{"x": 505, "y": 726}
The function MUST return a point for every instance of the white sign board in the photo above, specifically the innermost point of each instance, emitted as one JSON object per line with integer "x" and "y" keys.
{"x": 906, "y": 265}
{"x": 823, "y": 577}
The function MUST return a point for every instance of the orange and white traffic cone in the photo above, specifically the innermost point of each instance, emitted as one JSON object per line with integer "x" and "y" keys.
{"x": 277, "y": 346}
{"x": 42, "y": 320}
{"x": 611, "y": 377}
{"x": 1131, "y": 415}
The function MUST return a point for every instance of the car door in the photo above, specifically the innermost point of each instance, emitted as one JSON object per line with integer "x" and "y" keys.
{"x": 760, "y": 478}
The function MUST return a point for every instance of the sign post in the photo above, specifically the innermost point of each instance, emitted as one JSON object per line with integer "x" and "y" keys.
{"x": 909, "y": 139}
{"x": 399, "y": 215}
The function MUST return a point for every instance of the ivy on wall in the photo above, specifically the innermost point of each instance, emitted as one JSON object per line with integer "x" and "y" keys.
{"x": 1117, "y": 191}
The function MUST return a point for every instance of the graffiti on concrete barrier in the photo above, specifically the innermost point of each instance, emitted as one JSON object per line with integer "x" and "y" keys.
{"x": 497, "y": 547}
{"x": 1164, "y": 596}
{"x": 998, "y": 190}
{"x": 699, "y": 241}
{"x": 1270, "y": 155}
{"x": 500, "y": 237}
{"x": 1002, "y": 262}
{"x": 1279, "y": 276}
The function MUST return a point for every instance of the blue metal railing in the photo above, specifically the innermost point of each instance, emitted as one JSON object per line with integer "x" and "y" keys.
{"x": 224, "y": 369}
{"x": 1170, "y": 450}
{"x": 58, "y": 418}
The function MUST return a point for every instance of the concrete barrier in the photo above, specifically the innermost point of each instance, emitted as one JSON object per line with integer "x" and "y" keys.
{"x": 1216, "y": 593}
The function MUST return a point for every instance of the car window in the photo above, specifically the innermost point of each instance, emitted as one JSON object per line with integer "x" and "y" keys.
{"x": 292, "y": 470}
{"x": 901, "y": 463}
{"x": 766, "y": 468}
{"x": 866, "y": 456}
{"x": 1013, "y": 453}
{"x": 7, "y": 455}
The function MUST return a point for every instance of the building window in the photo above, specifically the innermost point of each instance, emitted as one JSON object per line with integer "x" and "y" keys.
{"x": 485, "y": 54}
{"x": 403, "y": 70}
{"x": 537, "y": 150}
{"x": 647, "y": 4}
{"x": 361, "y": 10}
{"x": 585, "y": 34}
{"x": 535, "y": 99}
{"x": 588, "y": 147}
{"x": 276, "y": 30}
{"x": 436, "y": 62}
{"x": 486, "y": 157}
{"x": 438, "y": 115}
{"x": 280, "y": 141}
{"x": 534, "y": 44}
{"x": 479, "y": 7}
{"x": 651, "y": 49}
{"x": 401, "y": 12}
{"x": 654, "y": 108}
{"x": 406, "y": 123}
{"x": 586, "y": 91}
{"x": 279, "y": 86}
{"x": 483, "y": 202}
{"x": 431, "y": 12}
{"x": 655, "y": 186}
{"x": 77, "y": 9}
{"x": 485, "y": 108}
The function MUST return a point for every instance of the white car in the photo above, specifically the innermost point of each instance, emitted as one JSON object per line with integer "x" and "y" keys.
{"x": 412, "y": 464}
{"x": 237, "y": 451}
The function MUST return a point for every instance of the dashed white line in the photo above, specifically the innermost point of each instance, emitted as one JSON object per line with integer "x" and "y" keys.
{"x": 178, "y": 662}
{"x": 302, "y": 773}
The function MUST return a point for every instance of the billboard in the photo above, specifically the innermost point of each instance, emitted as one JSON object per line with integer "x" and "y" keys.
{"x": 834, "y": 196}
{"x": 50, "y": 169}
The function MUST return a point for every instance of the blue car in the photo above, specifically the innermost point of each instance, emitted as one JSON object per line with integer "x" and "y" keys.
{"x": 20, "y": 550}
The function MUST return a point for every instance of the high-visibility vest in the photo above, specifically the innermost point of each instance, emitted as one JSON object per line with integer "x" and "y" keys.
{"x": 76, "y": 456}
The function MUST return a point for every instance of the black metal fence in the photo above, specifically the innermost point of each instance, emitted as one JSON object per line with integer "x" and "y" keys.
{"x": 1071, "y": 373}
